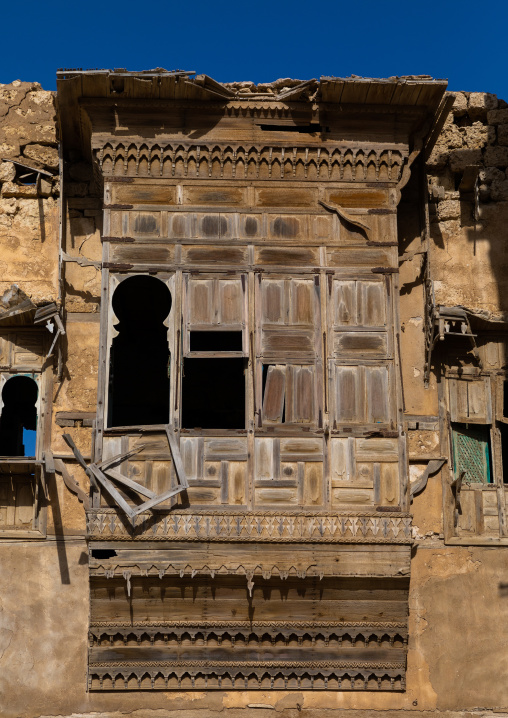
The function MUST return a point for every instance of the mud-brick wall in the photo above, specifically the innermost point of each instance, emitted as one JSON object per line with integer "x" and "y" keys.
{"x": 28, "y": 215}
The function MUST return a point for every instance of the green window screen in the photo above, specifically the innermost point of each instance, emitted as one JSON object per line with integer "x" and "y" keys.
{"x": 471, "y": 453}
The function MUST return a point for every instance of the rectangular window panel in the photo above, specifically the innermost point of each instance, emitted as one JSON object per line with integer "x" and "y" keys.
{"x": 471, "y": 453}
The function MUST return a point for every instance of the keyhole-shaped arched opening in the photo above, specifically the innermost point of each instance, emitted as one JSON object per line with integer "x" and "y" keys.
{"x": 140, "y": 359}
{"x": 18, "y": 422}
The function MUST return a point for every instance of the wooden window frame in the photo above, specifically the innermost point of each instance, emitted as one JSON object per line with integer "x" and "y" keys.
{"x": 33, "y": 466}
{"x": 111, "y": 282}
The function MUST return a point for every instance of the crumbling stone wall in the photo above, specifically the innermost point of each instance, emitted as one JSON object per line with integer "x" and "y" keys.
{"x": 467, "y": 223}
{"x": 29, "y": 212}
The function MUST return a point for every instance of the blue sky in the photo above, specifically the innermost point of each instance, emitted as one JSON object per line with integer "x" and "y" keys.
{"x": 261, "y": 41}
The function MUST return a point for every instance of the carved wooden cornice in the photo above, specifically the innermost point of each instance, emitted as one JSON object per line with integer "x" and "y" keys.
{"x": 347, "y": 676}
{"x": 181, "y": 158}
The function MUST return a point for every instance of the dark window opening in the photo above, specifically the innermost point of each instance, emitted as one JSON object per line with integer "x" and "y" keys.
{"x": 18, "y": 422}
{"x": 213, "y": 394}
{"x": 25, "y": 175}
{"x": 505, "y": 399}
{"x": 215, "y": 341}
{"x": 103, "y": 553}
{"x": 472, "y": 453}
{"x": 140, "y": 358}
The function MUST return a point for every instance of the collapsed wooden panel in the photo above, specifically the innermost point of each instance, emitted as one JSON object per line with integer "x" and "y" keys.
{"x": 172, "y": 633}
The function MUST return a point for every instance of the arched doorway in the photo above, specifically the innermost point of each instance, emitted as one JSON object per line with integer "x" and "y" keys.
{"x": 18, "y": 421}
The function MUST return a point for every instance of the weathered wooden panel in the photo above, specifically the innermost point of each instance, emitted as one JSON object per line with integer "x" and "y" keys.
{"x": 354, "y": 198}
{"x": 237, "y": 482}
{"x": 225, "y": 447}
{"x": 290, "y": 394}
{"x": 149, "y": 254}
{"x": 276, "y": 496}
{"x": 264, "y": 452}
{"x": 342, "y": 460}
{"x": 362, "y": 257}
{"x": 361, "y": 394}
{"x": 213, "y": 195}
{"x": 231, "y": 301}
{"x": 300, "y": 394}
{"x": 359, "y": 303}
{"x": 199, "y": 495}
{"x": 287, "y": 256}
{"x": 180, "y": 225}
{"x": 251, "y": 226}
{"x": 27, "y": 350}
{"x": 278, "y": 343}
{"x": 470, "y": 400}
{"x": 145, "y": 223}
{"x": 156, "y": 193}
{"x": 299, "y": 447}
{"x": 313, "y": 484}
{"x": 214, "y": 226}
{"x": 274, "y": 394}
{"x": 352, "y": 497}
{"x": 377, "y": 449}
{"x": 286, "y": 226}
{"x": 389, "y": 493}
{"x": 217, "y": 302}
{"x": 349, "y": 397}
{"x": 17, "y": 498}
{"x": 378, "y": 394}
{"x": 286, "y": 306}
{"x": 355, "y": 344}
{"x": 202, "y": 304}
{"x": 286, "y": 197}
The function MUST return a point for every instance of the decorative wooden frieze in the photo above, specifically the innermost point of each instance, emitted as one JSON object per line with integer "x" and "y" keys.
{"x": 394, "y": 527}
{"x": 247, "y": 644}
{"x": 232, "y": 161}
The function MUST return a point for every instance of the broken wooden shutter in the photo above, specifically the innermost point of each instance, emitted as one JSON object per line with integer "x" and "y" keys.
{"x": 470, "y": 401}
{"x": 290, "y": 394}
{"x": 274, "y": 395}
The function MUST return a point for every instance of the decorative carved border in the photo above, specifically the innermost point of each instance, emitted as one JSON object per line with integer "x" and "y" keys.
{"x": 107, "y": 524}
{"x": 254, "y": 664}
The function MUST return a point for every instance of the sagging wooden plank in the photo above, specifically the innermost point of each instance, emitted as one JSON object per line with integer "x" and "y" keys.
{"x": 108, "y": 486}
{"x": 118, "y": 458}
{"x": 71, "y": 483}
{"x": 79, "y": 458}
{"x": 177, "y": 457}
{"x": 273, "y": 400}
{"x": 159, "y": 499}
{"x": 117, "y": 476}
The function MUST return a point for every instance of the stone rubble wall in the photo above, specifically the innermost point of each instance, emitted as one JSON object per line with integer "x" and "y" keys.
{"x": 29, "y": 215}
{"x": 468, "y": 234}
